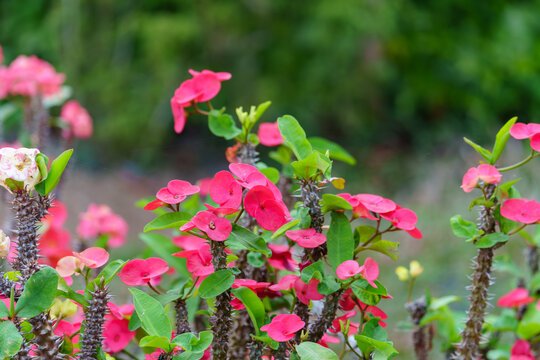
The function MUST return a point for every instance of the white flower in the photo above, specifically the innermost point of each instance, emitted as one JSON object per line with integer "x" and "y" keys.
{"x": 4, "y": 245}
{"x": 19, "y": 165}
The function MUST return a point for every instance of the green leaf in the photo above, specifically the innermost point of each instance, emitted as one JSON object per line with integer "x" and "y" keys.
{"x": 489, "y": 240}
{"x": 267, "y": 340}
{"x": 328, "y": 285}
{"x": 216, "y": 283}
{"x": 383, "y": 349}
{"x": 134, "y": 322}
{"x": 485, "y": 153}
{"x": 331, "y": 202}
{"x": 223, "y": 125}
{"x": 164, "y": 247}
{"x": 42, "y": 162}
{"x": 58, "y": 166}
{"x": 254, "y": 306}
{"x": 313, "y": 271}
{"x": 438, "y": 303}
{"x": 340, "y": 241}
{"x": 4, "y": 311}
{"x": 109, "y": 272}
{"x": 38, "y": 294}
{"x": 242, "y": 238}
{"x": 153, "y": 318}
{"x": 367, "y": 293}
{"x": 10, "y": 340}
{"x": 308, "y": 167}
{"x": 463, "y": 228}
{"x": 312, "y": 351}
{"x": 156, "y": 342}
{"x": 294, "y": 136}
{"x": 501, "y": 139}
{"x": 256, "y": 259}
{"x": 373, "y": 330}
{"x": 167, "y": 221}
{"x": 190, "y": 342}
{"x": 188, "y": 355}
{"x": 480, "y": 201}
{"x": 385, "y": 247}
{"x": 261, "y": 108}
{"x": 336, "y": 151}
{"x": 271, "y": 173}
{"x": 284, "y": 229}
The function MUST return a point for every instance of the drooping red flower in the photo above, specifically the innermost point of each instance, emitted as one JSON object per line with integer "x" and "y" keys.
{"x": 348, "y": 269}
{"x": 138, "y": 272}
{"x": 176, "y": 191}
{"x": 370, "y": 271}
{"x": 306, "y": 292}
{"x": 225, "y": 190}
{"x": 306, "y": 238}
{"x": 269, "y": 134}
{"x": 281, "y": 258}
{"x": 327, "y": 339}
{"x": 198, "y": 261}
{"x": 487, "y": 173}
{"x": 521, "y": 350}
{"x": 78, "y": 121}
{"x": 521, "y": 210}
{"x": 515, "y": 298}
{"x": 283, "y": 327}
{"x": 217, "y": 228}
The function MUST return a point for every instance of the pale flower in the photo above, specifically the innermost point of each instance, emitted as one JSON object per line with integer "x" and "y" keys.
{"x": 19, "y": 165}
{"x": 4, "y": 245}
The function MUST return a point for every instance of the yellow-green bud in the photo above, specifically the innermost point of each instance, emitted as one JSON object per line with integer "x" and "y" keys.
{"x": 402, "y": 273}
{"x": 415, "y": 269}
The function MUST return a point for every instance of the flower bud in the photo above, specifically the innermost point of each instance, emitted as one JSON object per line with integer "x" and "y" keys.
{"x": 402, "y": 273}
{"x": 415, "y": 269}
{"x": 18, "y": 168}
{"x": 62, "y": 309}
{"x": 4, "y": 245}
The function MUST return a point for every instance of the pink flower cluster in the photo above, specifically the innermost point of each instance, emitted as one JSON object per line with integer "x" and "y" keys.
{"x": 55, "y": 240}
{"x": 29, "y": 76}
{"x": 521, "y": 350}
{"x": 485, "y": 173}
{"x": 100, "y": 220}
{"x": 375, "y": 207}
{"x": 77, "y": 120}
{"x": 204, "y": 86}
{"x": 530, "y": 131}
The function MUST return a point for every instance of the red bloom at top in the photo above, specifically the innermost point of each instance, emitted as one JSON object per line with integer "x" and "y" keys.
{"x": 204, "y": 86}
{"x": 521, "y": 210}
{"x": 141, "y": 271}
{"x": 225, "y": 190}
{"x": 283, "y": 327}
{"x": 269, "y": 134}
{"x": 217, "y": 228}
{"x": 363, "y": 204}
{"x": 78, "y": 120}
{"x": 521, "y": 350}
{"x": 269, "y": 212}
{"x": 306, "y": 238}
{"x": 515, "y": 298}
{"x": 487, "y": 173}
{"x": 176, "y": 191}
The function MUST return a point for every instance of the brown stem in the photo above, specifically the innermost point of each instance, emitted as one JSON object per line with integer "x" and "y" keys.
{"x": 221, "y": 320}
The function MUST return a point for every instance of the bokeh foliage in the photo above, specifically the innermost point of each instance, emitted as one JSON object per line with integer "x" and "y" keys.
{"x": 395, "y": 74}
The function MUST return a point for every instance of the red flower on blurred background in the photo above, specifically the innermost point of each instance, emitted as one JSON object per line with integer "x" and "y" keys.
{"x": 521, "y": 210}
{"x": 217, "y": 228}
{"x": 515, "y": 298}
{"x": 269, "y": 134}
{"x": 306, "y": 238}
{"x": 78, "y": 121}
{"x": 141, "y": 271}
{"x": 347, "y": 269}
{"x": 100, "y": 220}
{"x": 306, "y": 292}
{"x": 487, "y": 173}
{"x": 176, "y": 191}
{"x": 198, "y": 261}
{"x": 225, "y": 190}
{"x": 283, "y": 327}
{"x": 521, "y": 350}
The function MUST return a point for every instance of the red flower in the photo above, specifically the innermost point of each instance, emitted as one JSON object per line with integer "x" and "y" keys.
{"x": 327, "y": 339}
{"x": 370, "y": 271}
{"x": 204, "y": 86}
{"x": 521, "y": 350}
{"x": 515, "y": 298}
{"x": 198, "y": 261}
{"x": 348, "y": 269}
{"x": 217, "y": 228}
{"x": 281, "y": 258}
{"x": 141, "y": 271}
{"x": 285, "y": 283}
{"x": 248, "y": 175}
{"x": 77, "y": 119}
{"x": 225, "y": 190}
{"x": 116, "y": 333}
{"x": 283, "y": 327}
{"x": 154, "y": 204}
{"x": 260, "y": 288}
{"x": 522, "y": 131}
{"x": 306, "y": 238}
{"x": 93, "y": 258}
{"x": 176, "y": 191}
{"x": 261, "y": 204}
{"x": 100, "y": 220}
{"x": 269, "y": 134}
{"x": 521, "y": 210}
{"x": 306, "y": 292}
{"x": 188, "y": 242}
{"x": 487, "y": 173}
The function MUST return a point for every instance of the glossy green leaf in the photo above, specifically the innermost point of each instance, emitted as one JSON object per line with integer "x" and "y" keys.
{"x": 156, "y": 342}
{"x": 463, "y": 228}
{"x": 271, "y": 173}
{"x": 42, "y": 161}
{"x": 489, "y": 240}
{"x": 222, "y": 125}
{"x": 109, "y": 272}
{"x": 261, "y": 109}
{"x": 153, "y": 318}
{"x": 331, "y": 202}
{"x": 254, "y": 306}
{"x": 168, "y": 221}
{"x": 38, "y": 294}
{"x": 188, "y": 355}
{"x": 10, "y": 339}
{"x": 4, "y": 311}
{"x": 294, "y": 136}
{"x": 382, "y": 350}
{"x": 284, "y": 229}
{"x": 216, "y": 283}
{"x": 190, "y": 342}
{"x": 313, "y": 351}
{"x": 340, "y": 242}
{"x": 58, "y": 166}
{"x": 311, "y": 165}
{"x": 480, "y": 201}
{"x": 336, "y": 151}
{"x": 501, "y": 139}
{"x": 242, "y": 238}
{"x": 313, "y": 271}
{"x": 385, "y": 247}
{"x": 485, "y": 153}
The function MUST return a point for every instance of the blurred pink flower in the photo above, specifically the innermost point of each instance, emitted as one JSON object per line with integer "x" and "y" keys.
{"x": 521, "y": 350}
{"x": 77, "y": 119}
{"x": 269, "y": 134}
{"x": 487, "y": 173}
{"x": 515, "y": 298}
{"x": 521, "y": 210}
{"x": 100, "y": 220}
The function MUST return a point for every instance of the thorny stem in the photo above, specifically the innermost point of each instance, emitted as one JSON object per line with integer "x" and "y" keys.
{"x": 221, "y": 320}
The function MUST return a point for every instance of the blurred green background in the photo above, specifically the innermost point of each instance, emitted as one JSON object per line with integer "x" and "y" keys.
{"x": 398, "y": 83}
